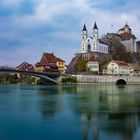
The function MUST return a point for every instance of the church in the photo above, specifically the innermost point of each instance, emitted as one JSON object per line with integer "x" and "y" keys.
{"x": 92, "y": 43}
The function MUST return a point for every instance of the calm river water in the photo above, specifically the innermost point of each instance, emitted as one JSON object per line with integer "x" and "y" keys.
{"x": 82, "y": 112}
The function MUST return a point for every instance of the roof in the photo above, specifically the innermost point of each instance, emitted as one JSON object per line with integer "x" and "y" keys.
{"x": 48, "y": 58}
{"x": 84, "y": 28}
{"x": 120, "y": 63}
{"x": 95, "y": 26}
{"x": 51, "y": 58}
{"x": 134, "y": 66}
{"x": 125, "y": 26}
{"x": 25, "y": 66}
{"x": 101, "y": 41}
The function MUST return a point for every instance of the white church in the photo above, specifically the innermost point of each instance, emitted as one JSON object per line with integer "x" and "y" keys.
{"x": 92, "y": 43}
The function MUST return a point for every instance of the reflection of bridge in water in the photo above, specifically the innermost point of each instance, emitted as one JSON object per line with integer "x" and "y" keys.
{"x": 50, "y": 76}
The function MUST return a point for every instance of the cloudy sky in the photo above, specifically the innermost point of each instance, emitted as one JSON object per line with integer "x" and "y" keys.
{"x": 30, "y": 27}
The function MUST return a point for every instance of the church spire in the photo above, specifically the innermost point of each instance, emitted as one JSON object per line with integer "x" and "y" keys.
{"x": 84, "y": 28}
{"x": 95, "y": 26}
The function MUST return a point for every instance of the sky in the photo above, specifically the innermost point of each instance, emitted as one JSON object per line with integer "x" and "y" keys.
{"x": 30, "y": 27}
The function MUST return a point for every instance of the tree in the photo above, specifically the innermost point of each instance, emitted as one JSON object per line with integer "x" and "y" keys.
{"x": 81, "y": 65}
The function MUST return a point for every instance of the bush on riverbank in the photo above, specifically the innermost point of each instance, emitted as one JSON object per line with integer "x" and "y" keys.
{"x": 69, "y": 80}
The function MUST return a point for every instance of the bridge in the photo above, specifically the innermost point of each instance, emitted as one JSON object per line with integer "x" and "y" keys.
{"x": 44, "y": 75}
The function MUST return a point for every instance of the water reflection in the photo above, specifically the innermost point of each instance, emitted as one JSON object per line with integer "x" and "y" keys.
{"x": 107, "y": 109}
{"x": 50, "y": 100}
{"x": 88, "y": 112}
{"x": 104, "y": 109}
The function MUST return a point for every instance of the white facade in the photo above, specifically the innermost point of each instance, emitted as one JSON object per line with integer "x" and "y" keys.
{"x": 92, "y": 44}
{"x": 93, "y": 66}
{"x": 118, "y": 68}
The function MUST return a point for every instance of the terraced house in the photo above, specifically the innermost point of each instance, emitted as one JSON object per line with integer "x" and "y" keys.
{"x": 116, "y": 67}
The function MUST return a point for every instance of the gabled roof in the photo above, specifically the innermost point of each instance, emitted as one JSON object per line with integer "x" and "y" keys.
{"x": 25, "y": 66}
{"x": 134, "y": 66}
{"x": 120, "y": 63}
{"x": 125, "y": 26}
{"x": 48, "y": 58}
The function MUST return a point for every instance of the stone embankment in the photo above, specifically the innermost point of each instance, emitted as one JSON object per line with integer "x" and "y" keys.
{"x": 106, "y": 79}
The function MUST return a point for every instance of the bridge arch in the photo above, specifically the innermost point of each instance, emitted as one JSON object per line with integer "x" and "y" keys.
{"x": 46, "y": 76}
{"x": 121, "y": 82}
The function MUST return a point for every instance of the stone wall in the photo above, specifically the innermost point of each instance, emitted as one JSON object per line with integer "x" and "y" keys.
{"x": 106, "y": 79}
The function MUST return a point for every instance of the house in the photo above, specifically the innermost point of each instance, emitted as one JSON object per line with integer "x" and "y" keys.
{"x": 93, "y": 66}
{"x": 25, "y": 66}
{"x": 117, "y": 67}
{"x": 134, "y": 69}
{"x": 49, "y": 62}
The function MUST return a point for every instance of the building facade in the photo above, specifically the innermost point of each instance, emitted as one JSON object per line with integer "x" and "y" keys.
{"x": 93, "y": 66}
{"x": 93, "y": 43}
{"x": 116, "y": 67}
{"x": 49, "y": 62}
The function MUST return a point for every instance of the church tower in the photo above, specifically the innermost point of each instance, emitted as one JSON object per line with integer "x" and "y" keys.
{"x": 95, "y": 37}
{"x": 84, "y": 37}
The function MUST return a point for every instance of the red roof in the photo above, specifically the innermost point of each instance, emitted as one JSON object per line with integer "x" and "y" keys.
{"x": 120, "y": 63}
{"x": 25, "y": 66}
{"x": 134, "y": 66}
{"x": 48, "y": 58}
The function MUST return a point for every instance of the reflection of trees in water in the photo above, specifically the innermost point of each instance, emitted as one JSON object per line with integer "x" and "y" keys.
{"x": 50, "y": 102}
{"x": 103, "y": 109}
{"x": 122, "y": 124}
{"x": 108, "y": 109}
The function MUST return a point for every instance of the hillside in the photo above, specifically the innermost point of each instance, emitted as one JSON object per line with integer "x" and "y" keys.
{"x": 117, "y": 51}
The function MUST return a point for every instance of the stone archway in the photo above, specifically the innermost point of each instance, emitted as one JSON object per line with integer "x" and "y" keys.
{"x": 120, "y": 82}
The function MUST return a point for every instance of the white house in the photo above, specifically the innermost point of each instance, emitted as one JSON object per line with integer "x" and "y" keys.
{"x": 93, "y": 66}
{"x": 116, "y": 67}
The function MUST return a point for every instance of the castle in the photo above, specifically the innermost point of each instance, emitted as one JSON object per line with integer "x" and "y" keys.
{"x": 127, "y": 38}
{"x": 92, "y": 43}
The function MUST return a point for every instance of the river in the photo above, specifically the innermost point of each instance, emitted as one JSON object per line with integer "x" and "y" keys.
{"x": 82, "y": 112}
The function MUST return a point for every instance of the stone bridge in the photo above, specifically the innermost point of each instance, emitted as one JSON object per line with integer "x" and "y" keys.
{"x": 107, "y": 79}
{"x": 45, "y": 75}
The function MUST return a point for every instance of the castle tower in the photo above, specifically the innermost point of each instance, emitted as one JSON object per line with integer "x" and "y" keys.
{"x": 84, "y": 37}
{"x": 95, "y": 37}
